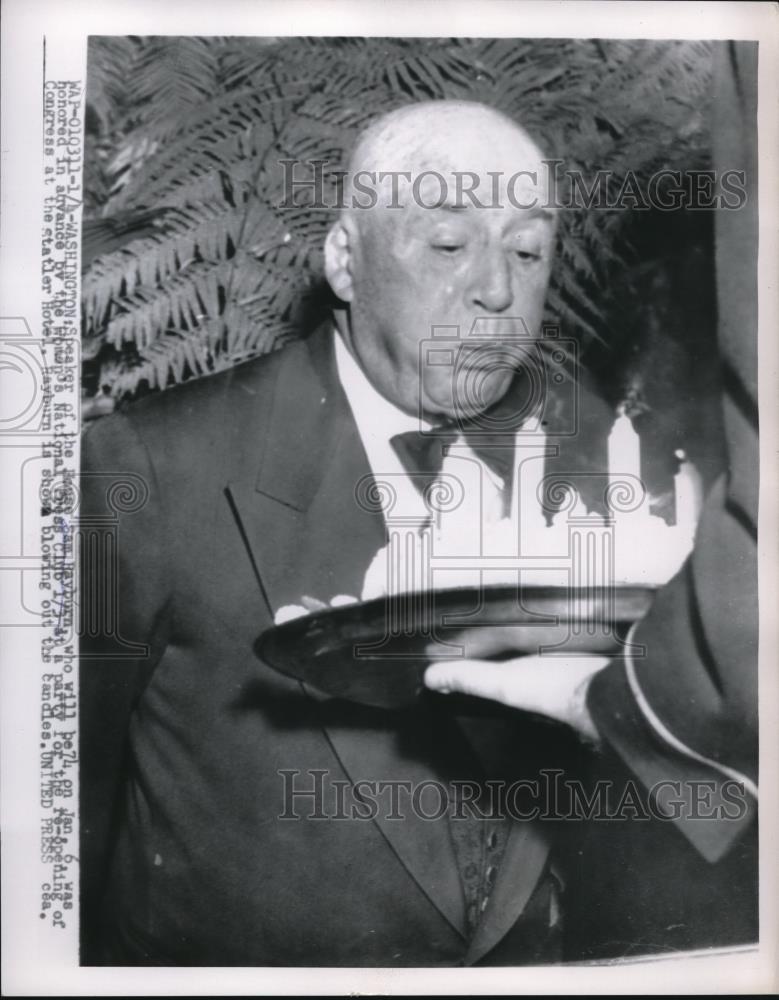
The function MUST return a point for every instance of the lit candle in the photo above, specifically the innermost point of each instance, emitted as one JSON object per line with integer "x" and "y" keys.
{"x": 624, "y": 448}
{"x": 529, "y": 470}
{"x": 688, "y": 494}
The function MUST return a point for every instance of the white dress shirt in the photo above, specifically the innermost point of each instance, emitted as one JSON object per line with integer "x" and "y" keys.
{"x": 378, "y": 421}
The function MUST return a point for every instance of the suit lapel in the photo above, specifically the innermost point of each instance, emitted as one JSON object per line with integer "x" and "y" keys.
{"x": 295, "y": 509}
{"x": 307, "y": 535}
{"x": 402, "y": 750}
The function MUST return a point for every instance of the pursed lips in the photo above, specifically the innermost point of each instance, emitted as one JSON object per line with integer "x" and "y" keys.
{"x": 486, "y": 359}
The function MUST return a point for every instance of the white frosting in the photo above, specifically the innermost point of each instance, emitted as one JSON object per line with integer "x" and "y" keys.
{"x": 578, "y": 549}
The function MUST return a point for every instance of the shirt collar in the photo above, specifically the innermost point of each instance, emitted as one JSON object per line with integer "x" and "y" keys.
{"x": 378, "y": 421}
{"x": 376, "y": 416}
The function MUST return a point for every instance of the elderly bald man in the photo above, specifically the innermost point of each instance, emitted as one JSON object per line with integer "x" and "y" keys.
{"x": 222, "y": 822}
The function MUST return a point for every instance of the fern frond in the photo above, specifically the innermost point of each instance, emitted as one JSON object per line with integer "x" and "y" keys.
{"x": 191, "y": 262}
{"x": 109, "y": 64}
{"x": 214, "y": 121}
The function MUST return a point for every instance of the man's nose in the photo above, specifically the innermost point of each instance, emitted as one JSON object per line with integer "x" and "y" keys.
{"x": 491, "y": 287}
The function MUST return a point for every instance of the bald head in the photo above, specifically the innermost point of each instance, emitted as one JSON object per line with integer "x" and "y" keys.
{"x": 465, "y": 143}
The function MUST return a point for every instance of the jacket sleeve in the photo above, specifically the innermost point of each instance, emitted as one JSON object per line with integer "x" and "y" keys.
{"x": 123, "y": 599}
{"x": 684, "y": 706}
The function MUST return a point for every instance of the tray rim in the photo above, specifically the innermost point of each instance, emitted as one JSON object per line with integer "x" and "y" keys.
{"x": 333, "y": 614}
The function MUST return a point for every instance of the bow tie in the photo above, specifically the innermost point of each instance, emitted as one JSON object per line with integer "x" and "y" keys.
{"x": 423, "y": 455}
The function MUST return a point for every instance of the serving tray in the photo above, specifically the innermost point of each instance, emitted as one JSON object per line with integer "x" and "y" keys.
{"x": 376, "y": 652}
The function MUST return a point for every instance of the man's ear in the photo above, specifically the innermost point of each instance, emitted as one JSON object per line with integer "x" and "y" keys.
{"x": 339, "y": 257}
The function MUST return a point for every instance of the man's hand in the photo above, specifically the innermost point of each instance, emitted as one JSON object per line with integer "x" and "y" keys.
{"x": 555, "y": 686}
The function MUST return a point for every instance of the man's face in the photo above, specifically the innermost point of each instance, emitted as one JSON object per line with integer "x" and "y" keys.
{"x": 481, "y": 272}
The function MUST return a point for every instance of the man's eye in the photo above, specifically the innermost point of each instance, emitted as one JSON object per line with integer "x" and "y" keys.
{"x": 448, "y": 249}
{"x": 527, "y": 255}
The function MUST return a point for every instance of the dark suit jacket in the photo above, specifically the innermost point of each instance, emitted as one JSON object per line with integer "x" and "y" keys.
{"x": 250, "y": 477}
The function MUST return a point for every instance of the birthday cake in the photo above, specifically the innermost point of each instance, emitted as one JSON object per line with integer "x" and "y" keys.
{"x": 458, "y": 545}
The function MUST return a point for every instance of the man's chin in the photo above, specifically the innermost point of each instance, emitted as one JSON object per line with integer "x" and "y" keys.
{"x": 465, "y": 404}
